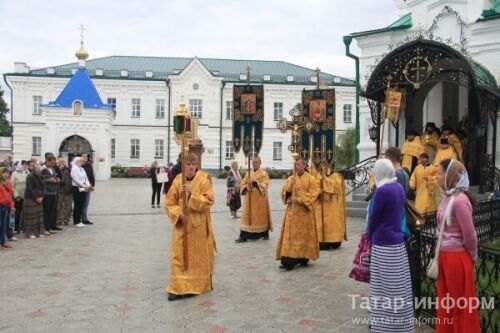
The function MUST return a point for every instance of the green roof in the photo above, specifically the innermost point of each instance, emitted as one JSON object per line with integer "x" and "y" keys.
{"x": 492, "y": 13}
{"x": 162, "y": 67}
{"x": 483, "y": 76}
{"x": 402, "y": 23}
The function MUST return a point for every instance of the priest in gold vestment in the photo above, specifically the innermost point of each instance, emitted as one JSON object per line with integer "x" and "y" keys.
{"x": 454, "y": 142}
{"x": 422, "y": 182}
{"x": 411, "y": 150}
{"x": 444, "y": 152}
{"x": 191, "y": 274}
{"x": 298, "y": 240}
{"x": 329, "y": 208}
{"x": 256, "y": 217}
{"x": 430, "y": 140}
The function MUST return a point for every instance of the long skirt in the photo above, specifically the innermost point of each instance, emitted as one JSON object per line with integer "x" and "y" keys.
{"x": 456, "y": 284}
{"x": 391, "y": 302}
{"x": 234, "y": 201}
{"x": 32, "y": 218}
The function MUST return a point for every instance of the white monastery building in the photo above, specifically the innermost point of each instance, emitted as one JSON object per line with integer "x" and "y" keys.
{"x": 120, "y": 108}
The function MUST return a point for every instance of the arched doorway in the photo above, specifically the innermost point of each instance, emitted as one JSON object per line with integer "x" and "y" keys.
{"x": 75, "y": 145}
{"x": 417, "y": 68}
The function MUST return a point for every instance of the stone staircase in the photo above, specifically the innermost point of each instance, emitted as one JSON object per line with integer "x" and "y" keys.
{"x": 356, "y": 204}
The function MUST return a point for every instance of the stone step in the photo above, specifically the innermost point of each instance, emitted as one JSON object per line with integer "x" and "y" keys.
{"x": 356, "y": 212}
{"x": 358, "y": 197}
{"x": 356, "y": 204}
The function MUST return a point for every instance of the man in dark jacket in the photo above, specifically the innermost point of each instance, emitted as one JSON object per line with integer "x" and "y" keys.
{"x": 64, "y": 196}
{"x": 87, "y": 166}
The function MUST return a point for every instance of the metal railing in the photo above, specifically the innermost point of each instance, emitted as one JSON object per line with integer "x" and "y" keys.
{"x": 358, "y": 174}
{"x": 487, "y": 224}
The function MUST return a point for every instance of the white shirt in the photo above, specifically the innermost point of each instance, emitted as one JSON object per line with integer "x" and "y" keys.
{"x": 79, "y": 176}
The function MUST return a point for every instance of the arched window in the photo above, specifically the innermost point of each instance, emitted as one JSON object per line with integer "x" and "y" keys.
{"x": 77, "y": 108}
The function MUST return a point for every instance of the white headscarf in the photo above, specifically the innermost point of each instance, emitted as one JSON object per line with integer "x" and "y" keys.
{"x": 463, "y": 178}
{"x": 461, "y": 184}
{"x": 236, "y": 174}
{"x": 75, "y": 161}
{"x": 384, "y": 172}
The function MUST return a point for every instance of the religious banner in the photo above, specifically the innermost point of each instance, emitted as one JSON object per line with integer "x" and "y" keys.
{"x": 394, "y": 103}
{"x": 318, "y": 136}
{"x": 248, "y": 118}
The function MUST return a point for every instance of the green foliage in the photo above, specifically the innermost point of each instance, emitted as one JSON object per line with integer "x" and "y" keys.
{"x": 346, "y": 149}
{"x": 118, "y": 171}
{"x": 5, "y": 127}
{"x": 277, "y": 173}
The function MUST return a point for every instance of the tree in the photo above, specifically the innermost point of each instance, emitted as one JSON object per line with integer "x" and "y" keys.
{"x": 346, "y": 149}
{"x": 5, "y": 127}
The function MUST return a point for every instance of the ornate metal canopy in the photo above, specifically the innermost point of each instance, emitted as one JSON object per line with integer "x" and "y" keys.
{"x": 417, "y": 63}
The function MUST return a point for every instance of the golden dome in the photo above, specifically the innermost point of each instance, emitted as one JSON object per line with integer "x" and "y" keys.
{"x": 81, "y": 53}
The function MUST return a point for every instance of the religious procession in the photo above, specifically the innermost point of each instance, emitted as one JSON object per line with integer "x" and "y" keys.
{"x": 405, "y": 185}
{"x": 245, "y": 195}
{"x": 313, "y": 194}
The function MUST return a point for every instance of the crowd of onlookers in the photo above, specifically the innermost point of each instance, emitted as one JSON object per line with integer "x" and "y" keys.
{"x": 38, "y": 198}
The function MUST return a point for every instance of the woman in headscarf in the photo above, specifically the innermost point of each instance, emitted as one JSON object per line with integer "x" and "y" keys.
{"x": 19, "y": 184}
{"x": 391, "y": 303}
{"x": 32, "y": 218}
{"x": 233, "y": 189}
{"x": 81, "y": 185}
{"x": 458, "y": 251}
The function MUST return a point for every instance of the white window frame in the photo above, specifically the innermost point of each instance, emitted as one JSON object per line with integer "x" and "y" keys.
{"x": 229, "y": 150}
{"x": 160, "y": 108}
{"x": 37, "y": 104}
{"x": 36, "y": 145}
{"x": 159, "y": 148}
{"x": 229, "y": 110}
{"x": 278, "y": 110}
{"x": 136, "y": 107}
{"x": 135, "y": 148}
{"x": 112, "y": 101}
{"x": 277, "y": 148}
{"x": 113, "y": 148}
{"x": 347, "y": 113}
{"x": 196, "y": 107}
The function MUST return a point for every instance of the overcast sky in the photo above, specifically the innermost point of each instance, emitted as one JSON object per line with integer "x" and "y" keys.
{"x": 303, "y": 32}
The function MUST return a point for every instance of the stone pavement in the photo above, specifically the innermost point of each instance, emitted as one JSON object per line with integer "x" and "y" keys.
{"x": 110, "y": 277}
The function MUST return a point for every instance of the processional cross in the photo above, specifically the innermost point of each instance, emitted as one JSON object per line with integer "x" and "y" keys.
{"x": 298, "y": 122}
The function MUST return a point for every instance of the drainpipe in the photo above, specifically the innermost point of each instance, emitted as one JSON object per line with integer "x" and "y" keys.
{"x": 168, "y": 122}
{"x": 347, "y": 41}
{"x": 220, "y": 123}
{"x": 11, "y": 113}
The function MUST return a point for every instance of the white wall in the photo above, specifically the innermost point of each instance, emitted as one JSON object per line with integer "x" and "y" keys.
{"x": 100, "y": 126}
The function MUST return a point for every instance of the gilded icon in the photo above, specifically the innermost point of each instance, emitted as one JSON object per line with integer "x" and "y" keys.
{"x": 317, "y": 110}
{"x": 248, "y": 104}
